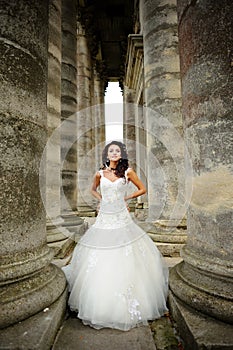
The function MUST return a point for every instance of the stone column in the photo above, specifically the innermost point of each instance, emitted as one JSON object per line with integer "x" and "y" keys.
{"x": 98, "y": 112}
{"x": 201, "y": 286}
{"x": 134, "y": 119}
{"x": 30, "y": 283}
{"x": 85, "y": 133}
{"x": 141, "y": 153}
{"x": 57, "y": 236}
{"x": 129, "y": 110}
{"x": 94, "y": 115}
{"x": 69, "y": 128}
{"x": 129, "y": 124}
{"x": 69, "y": 101}
{"x": 165, "y": 148}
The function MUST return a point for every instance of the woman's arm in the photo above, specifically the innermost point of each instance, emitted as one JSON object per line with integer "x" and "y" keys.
{"x": 95, "y": 185}
{"x": 132, "y": 176}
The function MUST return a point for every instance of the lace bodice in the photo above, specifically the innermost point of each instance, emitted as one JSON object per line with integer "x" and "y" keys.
{"x": 113, "y": 212}
{"x": 112, "y": 227}
{"x": 113, "y": 193}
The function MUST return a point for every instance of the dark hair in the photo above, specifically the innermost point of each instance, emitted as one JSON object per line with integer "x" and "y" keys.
{"x": 123, "y": 163}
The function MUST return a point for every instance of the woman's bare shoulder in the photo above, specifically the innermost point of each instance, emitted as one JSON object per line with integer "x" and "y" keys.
{"x": 130, "y": 171}
{"x": 98, "y": 174}
{"x": 130, "y": 174}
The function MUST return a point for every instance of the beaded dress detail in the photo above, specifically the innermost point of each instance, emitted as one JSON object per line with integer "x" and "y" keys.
{"x": 117, "y": 277}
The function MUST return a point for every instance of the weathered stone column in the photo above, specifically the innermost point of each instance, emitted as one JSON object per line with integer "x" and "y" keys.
{"x": 69, "y": 101}
{"x": 69, "y": 127}
{"x": 129, "y": 124}
{"x": 98, "y": 113}
{"x": 165, "y": 148}
{"x": 133, "y": 116}
{"x": 129, "y": 110}
{"x": 57, "y": 236}
{"x": 201, "y": 286}
{"x": 85, "y": 126}
{"x": 141, "y": 161}
{"x": 30, "y": 283}
{"x": 94, "y": 115}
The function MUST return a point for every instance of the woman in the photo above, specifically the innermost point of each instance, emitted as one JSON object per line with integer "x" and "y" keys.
{"x": 116, "y": 277}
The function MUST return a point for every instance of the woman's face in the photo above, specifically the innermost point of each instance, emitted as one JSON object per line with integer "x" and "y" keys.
{"x": 114, "y": 153}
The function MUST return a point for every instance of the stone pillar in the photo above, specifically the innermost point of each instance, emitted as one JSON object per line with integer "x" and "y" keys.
{"x": 134, "y": 117}
{"x": 94, "y": 115}
{"x": 85, "y": 126}
{"x": 201, "y": 286}
{"x": 129, "y": 125}
{"x": 129, "y": 110}
{"x": 57, "y": 236}
{"x": 69, "y": 128}
{"x": 30, "y": 283}
{"x": 141, "y": 153}
{"x": 165, "y": 147}
{"x": 69, "y": 102}
{"x": 98, "y": 113}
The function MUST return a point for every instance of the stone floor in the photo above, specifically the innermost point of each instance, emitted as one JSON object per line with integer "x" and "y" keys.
{"x": 158, "y": 335}
{"x": 74, "y": 335}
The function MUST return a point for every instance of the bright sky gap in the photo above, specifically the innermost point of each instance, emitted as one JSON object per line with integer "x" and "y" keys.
{"x": 113, "y": 112}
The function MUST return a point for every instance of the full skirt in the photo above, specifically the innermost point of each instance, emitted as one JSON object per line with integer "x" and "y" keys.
{"x": 117, "y": 278}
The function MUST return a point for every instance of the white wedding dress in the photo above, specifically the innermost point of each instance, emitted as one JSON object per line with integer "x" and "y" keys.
{"x": 117, "y": 277}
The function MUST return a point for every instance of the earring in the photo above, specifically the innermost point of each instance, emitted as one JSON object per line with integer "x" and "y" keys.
{"x": 107, "y": 162}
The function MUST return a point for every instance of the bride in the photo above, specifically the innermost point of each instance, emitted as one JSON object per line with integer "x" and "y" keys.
{"x": 116, "y": 277}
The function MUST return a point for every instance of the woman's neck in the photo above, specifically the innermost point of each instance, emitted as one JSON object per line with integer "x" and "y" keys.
{"x": 113, "y": 165}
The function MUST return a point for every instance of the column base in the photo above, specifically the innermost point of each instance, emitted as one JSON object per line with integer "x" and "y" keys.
{"x": 208, "y": 292}
{"x": 132, "y": 205}
{"x": 62, "y": 248}
{"x": 168, "y": 240}
{"x": 59, "y": 239}
{"x": 199, "y": 331}
{"x": 74, "y": 224}
{"x": 71, "y": 219}
{"x": 36, "y": 332}
{"x": 55, "y": 231}
{"x": 141, "y": 211}
{"x": 28, "y": 296}
{"x": 86, "y": 211}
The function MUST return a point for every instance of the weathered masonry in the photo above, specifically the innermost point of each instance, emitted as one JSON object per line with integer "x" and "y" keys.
{"x": 173, "y": 60}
